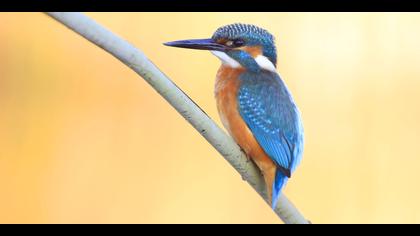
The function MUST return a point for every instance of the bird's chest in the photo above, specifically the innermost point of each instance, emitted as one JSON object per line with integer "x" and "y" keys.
{"x": 226, "y": 90}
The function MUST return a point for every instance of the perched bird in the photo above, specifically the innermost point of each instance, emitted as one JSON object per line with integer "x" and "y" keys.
{"x": 253, "y": 102}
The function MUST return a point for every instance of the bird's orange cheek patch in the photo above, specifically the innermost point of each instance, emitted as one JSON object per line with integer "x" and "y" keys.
{"x": 254, "y": 51}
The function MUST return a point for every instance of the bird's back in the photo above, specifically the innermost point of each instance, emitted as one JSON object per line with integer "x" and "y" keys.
{"x": 268, "y": 109}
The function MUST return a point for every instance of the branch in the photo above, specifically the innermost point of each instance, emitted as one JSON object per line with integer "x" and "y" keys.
{"x": 137, "y": 61}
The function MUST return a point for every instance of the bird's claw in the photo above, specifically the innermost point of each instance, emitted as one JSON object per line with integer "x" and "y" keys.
{"x": 248, "y": 159}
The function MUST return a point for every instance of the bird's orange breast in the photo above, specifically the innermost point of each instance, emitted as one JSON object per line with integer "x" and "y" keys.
{"x": 226, "y": 90}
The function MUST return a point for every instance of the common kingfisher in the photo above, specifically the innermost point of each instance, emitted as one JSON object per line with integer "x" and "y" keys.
{"x": 254, "y": 103}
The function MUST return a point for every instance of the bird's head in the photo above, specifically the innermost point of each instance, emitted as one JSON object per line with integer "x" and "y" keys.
{"x": 238, "y": 45}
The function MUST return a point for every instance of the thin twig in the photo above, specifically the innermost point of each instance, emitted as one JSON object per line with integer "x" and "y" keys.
{"x": 137, "y": 61}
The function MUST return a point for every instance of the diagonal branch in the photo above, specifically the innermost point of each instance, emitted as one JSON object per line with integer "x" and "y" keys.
{"x": 137, "y": 61}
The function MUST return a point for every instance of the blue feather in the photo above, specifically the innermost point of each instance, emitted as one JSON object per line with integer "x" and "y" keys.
{"x": 279, "y": 182}
{"x": 268, "y": 109}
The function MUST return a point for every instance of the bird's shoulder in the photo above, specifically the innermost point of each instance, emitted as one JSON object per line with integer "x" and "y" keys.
{"x": 266, "y": 89}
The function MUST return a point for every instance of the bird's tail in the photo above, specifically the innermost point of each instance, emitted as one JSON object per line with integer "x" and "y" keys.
{"x": 279, "y": 182}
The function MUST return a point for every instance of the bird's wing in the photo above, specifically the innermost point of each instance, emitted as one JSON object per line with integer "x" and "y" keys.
{"x": 268, "y": 109}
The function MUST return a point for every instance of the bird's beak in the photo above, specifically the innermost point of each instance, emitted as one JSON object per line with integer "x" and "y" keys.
{"x": 201, "y": 44}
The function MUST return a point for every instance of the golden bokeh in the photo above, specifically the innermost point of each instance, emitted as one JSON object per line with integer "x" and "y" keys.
{"x": 83, "y": 139}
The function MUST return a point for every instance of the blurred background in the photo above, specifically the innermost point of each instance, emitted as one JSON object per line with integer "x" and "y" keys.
{"x": 83, "y": 139}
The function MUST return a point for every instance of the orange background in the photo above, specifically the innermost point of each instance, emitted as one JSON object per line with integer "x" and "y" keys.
{"x": 83, "y": 139}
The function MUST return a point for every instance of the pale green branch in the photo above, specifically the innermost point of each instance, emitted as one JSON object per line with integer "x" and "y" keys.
{"x": 137, "y": 61}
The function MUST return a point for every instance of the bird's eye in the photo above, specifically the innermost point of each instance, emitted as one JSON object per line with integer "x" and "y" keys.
{"x": 235, "y": 43}
{"x": 238, "y": 42}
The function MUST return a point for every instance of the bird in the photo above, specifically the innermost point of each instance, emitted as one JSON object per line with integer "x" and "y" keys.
{"x": 254, "y": 104}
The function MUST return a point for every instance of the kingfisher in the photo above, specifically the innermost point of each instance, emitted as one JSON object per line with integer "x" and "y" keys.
{"x": 253, "y": 102}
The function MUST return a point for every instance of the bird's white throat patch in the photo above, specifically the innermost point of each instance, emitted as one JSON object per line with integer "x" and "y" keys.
{"x": 226, "y": 60}
{"x": 261, "y": 60}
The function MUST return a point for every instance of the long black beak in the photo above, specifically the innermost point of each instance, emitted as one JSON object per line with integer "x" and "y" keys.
{"x": 201, "y": 44}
